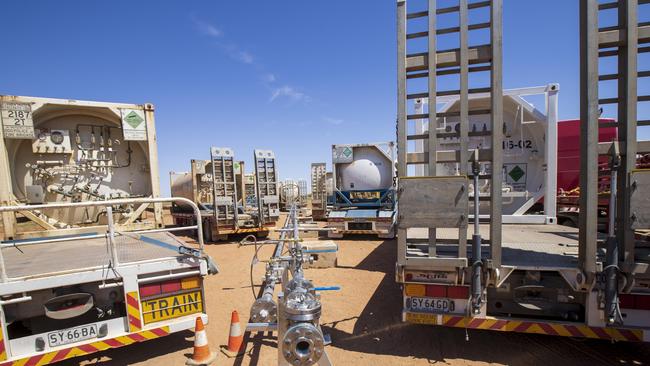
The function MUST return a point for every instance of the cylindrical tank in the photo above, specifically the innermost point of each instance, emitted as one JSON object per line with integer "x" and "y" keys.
{"x": 181, "y": 185}
{"x": 289, "y": 192}
{"x": 329, "y": 184}
{"x": 363, "y": 168}
{"x": 80, "y": 151}
{"x": 523, "y": 149}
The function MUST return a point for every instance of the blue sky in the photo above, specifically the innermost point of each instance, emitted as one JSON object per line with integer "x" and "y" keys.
{"x": 292, "y": 76}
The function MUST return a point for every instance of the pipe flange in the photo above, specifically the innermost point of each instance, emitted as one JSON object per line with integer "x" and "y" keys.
{"x": 264, "y": 311}
{"x": 303, "y": 345}
{"x": 302, "y": 306}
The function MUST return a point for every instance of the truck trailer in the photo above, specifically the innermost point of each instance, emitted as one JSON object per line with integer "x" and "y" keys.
{"x": 363, "y": 190}
{"x": 85, "y": 262}
{"x": 221, "y": 189}
{"x": 460, "y": 264}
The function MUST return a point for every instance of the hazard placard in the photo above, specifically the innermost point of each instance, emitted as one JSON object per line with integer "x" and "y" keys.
{"x": 17, "y": 120}
{"x": 134, "y": 126}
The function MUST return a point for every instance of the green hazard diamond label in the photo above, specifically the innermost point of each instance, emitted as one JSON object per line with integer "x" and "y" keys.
{"x": 347, "y": 152}
{"x": 134, "y": 127}
{"x": 133, "y": 119}
{"x": 516, "y": 173}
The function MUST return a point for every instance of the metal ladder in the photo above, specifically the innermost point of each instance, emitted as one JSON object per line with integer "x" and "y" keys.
{"x": 461, "y": 61}
{"x": 224, "y": 185}
{"x": 268, "y": 199}
{"x": 318, "y": 191}
{"x": 623, "y": 41}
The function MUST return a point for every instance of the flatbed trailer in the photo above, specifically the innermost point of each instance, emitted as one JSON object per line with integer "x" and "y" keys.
{"x": 214, "y": 231}
{"x": 547, "y": 251}
{"x": 219, "y": 187}
{"x": 361, "y": 222}
{"x": 460, "y": 268}
{"x": 73, "y": 295}
{"x": 363, "y": 190}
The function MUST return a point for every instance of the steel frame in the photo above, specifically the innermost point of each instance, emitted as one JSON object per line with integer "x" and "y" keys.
{"x": 224, "y": 179}
{"x": 386, "y": 200}
{"x": 548, "y": 117}
{"x": 621, "y": 41}
{"x": 111, "y": 227}
{"x": 267, "y": 186}
{"x": 430, "y": 64}
{"x": 113, "y": 109}
{"x": 318, "y": 192}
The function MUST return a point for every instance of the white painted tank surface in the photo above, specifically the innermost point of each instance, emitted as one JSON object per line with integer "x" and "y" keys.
{"x": 523, "y": 150}
{"x": 370, "y": 170}
{"x": 80, "y": 153}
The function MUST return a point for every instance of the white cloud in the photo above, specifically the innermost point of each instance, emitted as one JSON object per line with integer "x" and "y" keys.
{"x": 236, "y": 53}
{"x": 333, "y": 121}
{"x": 244, "y": 57}
{"x": 207, "y": 28}
{"x": 289, "y": 92}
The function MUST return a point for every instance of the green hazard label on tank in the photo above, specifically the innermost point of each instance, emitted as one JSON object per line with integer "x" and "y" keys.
{"x": 134, "y": 127}
{"x": 133, "y": 119}
{"x": 347, "y": 152}
{"x": 516, "y": 176}
{"x": 516, "y": 173}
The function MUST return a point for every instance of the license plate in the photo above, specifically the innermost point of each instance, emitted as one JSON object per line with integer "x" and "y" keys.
{"x": 430, "y": 305}
{"x": 72, "y": 335}
{"x": 172, "y": 307}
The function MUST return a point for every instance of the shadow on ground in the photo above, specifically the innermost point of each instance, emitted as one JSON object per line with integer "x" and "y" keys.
{"x": 138, "y": 352}
{"x": 379, "y": 330}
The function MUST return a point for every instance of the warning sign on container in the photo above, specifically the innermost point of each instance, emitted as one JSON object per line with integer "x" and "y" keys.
{"x": 17, "y": 120}
{"x": 134, "y": 126}
{"x": 516, "y": 176}
{"x": 342, "y": 154}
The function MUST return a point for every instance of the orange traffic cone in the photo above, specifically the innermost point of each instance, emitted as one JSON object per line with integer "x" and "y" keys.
{"x": 235, "y": 339}
{"x": 202, "y": 354}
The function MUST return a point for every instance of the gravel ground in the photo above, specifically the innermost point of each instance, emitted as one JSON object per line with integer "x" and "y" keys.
{"x": 363, "y": 321}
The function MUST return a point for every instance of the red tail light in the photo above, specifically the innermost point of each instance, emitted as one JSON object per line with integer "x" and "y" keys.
{"x": 452, "y": 292}
{"x": 631, "y": 301}
{"x": 171, "y": 286}
{"x": 436, "y": 291}
{"x": 458, "y": 292}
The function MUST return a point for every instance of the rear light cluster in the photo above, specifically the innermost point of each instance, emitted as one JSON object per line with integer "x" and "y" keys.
{"x": 451, "y": 292}
{"x": 639, "y": 302}
{"x": 168, "y": 287}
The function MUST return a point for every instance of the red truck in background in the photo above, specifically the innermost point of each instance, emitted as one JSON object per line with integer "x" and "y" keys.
{"x": 568, "y": 170}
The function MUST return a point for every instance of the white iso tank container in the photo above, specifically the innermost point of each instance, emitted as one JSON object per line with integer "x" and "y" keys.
{"x": 289, "y": 192}
{"x": 181, "y": 185}
{"x": 54, "y": 150}
{"x": 329, "y": 184}
{"x": 363, "y": 167}
{"x": 524, "y": 149}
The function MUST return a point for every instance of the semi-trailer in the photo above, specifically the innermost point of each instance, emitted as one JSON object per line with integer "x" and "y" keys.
{"x": 461, "y": 267}
{"x": 221, "y": 189}
{"x": 363, "y": 190}
{"x": 85, "y": 262}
